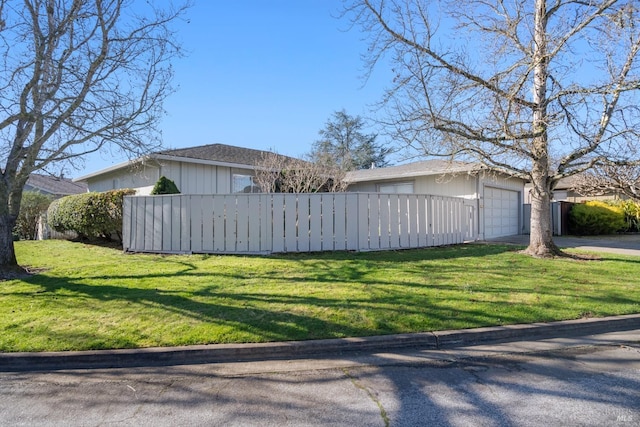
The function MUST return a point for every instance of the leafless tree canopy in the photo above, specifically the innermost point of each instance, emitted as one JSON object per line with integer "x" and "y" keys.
{"x": 539, "y": 89}
{"x": 280, "y": 174}
{"x": 78, "y": 76}
{"x": 610, "y": 179}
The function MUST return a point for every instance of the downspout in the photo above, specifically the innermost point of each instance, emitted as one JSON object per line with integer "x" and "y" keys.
{"x": 479, "y": 205}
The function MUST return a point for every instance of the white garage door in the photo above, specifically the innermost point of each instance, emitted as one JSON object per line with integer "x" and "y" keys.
{"x": 501, "y": 212}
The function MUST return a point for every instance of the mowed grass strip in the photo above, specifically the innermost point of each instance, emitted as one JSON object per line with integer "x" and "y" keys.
{"x": 91, "y": 297}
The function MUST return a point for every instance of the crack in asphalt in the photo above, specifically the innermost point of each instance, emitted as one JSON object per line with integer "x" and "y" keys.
{"x": 372, "y": 396}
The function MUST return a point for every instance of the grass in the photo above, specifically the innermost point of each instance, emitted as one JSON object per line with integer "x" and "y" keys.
{"x": 91, "y": 297}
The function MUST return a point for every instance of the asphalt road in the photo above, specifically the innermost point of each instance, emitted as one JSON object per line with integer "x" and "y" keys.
{"x": 556, "y": 382}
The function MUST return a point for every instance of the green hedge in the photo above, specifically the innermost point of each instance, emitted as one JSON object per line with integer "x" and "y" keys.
{"x": 90, "y": 215}
{"x": 596, "y": 217}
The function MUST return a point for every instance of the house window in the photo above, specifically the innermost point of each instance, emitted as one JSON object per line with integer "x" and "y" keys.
{"x": 244, "y": 184}
{"x": 396, "y": 188}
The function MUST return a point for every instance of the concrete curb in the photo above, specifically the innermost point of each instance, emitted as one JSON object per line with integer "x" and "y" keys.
{"x": 216, "y": 353}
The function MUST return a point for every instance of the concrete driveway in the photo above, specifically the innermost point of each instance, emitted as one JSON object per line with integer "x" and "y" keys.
{"x": 623, "y": 244}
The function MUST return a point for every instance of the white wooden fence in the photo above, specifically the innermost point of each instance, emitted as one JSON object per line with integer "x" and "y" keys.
{"x": 272, "y": 223}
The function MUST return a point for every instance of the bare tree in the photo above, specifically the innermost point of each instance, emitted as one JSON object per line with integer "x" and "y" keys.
{"x": 78, "y": 76}
{"x": 537, "y": 89}
{"x": 605, "y": 180}
{"x": 267, "y": 172}
{"x": 281, "y": 174}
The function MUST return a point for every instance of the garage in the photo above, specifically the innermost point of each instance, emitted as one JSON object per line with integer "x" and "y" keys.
{"x": 501, "y": 212}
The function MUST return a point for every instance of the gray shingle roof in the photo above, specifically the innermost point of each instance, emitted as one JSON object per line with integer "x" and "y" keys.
{"x": 409, "y": 170}
{"x": 55, "y": 185}
{"x": 221, "y": 153}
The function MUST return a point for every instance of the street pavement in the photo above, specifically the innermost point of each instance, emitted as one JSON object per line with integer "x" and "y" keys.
{"x": 563, "y": 381}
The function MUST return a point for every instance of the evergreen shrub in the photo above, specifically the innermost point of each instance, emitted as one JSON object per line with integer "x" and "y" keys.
{"x": 165, "y": 186}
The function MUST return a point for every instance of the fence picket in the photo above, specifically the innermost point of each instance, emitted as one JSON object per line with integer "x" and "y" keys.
{"x": 340, "y": 222}
{"x": 196, "y": 224}
{"x": 328, "y": 217}
{"x": 166, "y": 232}
{"x": 374, "y": 222}
{"x": 242, "y": 223}
{"x": 254, "y": 235}
{"x": 219, "y": 227}
{"x": 303, "y": 223}
{"x": 351, "y": 222}
{"x": 363, "y": 222}
{"x": 394, "y": 221}
{"x": 404, "y": 221}
{"x": 291, "y": 223}
{"x": 207, "y": 224}
{"x": 277, "y": 224}
{"x": 126, "y": 224}
{"x": 315, "y": 224}
{"x": 230, "y": 224}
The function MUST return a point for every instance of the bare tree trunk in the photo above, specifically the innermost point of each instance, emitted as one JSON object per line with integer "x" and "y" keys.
{"x": 541, "y": 240}
{"x": 7, "y": 253}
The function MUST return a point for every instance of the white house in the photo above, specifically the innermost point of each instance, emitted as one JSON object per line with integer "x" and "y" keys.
{"x": 206, "y": 169}
{"x": 225, "y": 169}
{"x": 500, "y": 197}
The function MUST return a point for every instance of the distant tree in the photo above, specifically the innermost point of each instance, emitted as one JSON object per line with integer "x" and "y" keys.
{"x": 344, "y": 145}
{"x": 77, "y": 76}
{"x": 33, "y": 206}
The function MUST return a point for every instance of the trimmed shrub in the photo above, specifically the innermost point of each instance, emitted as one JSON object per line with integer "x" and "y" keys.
{"x": 32, "y": 206}
{"x": 90, "y": 215}
{"x": 596, "y": 217}
{"x": 165, "y": 186}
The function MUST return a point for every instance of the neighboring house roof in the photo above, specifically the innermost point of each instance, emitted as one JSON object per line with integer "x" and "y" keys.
{"x": 569, "y": 182}
{"x": 212, "y": 154}
{"x": 56, "y": 186}
{"x": 411, "y": 170}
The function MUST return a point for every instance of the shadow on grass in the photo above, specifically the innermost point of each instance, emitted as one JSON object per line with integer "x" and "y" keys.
{"x": 414, "y": 292}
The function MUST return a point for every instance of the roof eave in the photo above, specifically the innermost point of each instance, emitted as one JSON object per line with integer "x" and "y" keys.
{"x": 411, "y": 174}
{"x": 201, "y": 161}
{"x": 110, "y": 169}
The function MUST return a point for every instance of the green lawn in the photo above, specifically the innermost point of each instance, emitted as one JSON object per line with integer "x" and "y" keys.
{"x": 91, "y": 297}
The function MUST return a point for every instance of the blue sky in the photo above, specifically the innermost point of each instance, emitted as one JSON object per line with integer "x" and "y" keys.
{"x": 263, "y": 74}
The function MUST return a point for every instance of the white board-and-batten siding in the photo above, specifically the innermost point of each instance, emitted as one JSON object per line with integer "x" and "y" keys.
{"x": 190, "y": 178}
{"x": 274, "y": 223}
{"x": 194, "y": 178}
